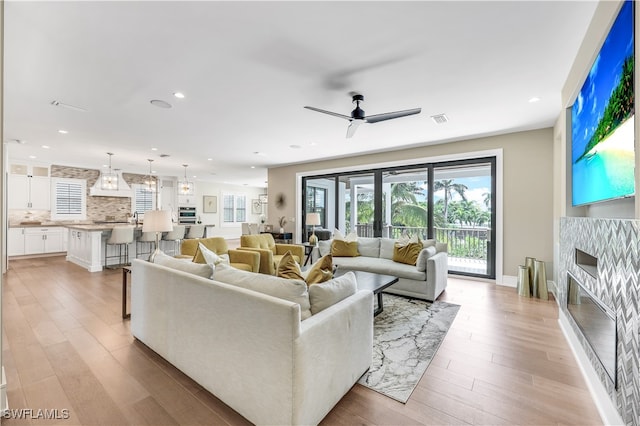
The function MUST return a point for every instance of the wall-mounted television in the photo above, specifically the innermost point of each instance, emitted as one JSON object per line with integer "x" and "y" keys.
{"x": 602, "y": 120}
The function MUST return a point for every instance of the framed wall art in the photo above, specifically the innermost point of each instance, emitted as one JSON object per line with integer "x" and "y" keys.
{"x": 209, "y": 204}
{"x": 256, "y": 207}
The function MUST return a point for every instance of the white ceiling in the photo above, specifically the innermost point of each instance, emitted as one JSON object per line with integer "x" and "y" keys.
{"x": 248, "y": 68}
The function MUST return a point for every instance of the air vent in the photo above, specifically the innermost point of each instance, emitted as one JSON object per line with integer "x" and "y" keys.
{"x": 439, "y": 118}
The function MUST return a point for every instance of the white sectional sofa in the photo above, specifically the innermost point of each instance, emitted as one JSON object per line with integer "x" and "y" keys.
{"x": 426, "y": 280}
{"x": 251, "y": 349}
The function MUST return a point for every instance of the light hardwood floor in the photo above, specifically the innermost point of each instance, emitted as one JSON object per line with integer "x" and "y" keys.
{"x": 504, "y": 361}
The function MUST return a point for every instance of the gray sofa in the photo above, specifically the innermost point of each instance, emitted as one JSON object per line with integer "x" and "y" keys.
{"x": 426, "y": 280}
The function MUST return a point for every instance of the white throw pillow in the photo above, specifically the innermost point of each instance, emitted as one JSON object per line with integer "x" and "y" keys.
{"x": 425, "y": 253}
{"x": 428, "y": 243}
{"x": 211, "y": 257}
{"x": 185, "y": 265}
{"x": 282, "y": 288}
{"x": 330, "y": 292}
{"x": 352, "y": 236}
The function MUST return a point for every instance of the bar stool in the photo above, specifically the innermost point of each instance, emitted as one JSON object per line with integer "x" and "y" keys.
{"x": 195, "y": 231}
{"x": 147, "y": 240}
{"x": 120, "y": 236}
{"x": 174, "y": 236}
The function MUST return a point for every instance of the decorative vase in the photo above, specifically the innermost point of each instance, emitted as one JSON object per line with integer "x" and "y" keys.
{"x": 282, "y": 230}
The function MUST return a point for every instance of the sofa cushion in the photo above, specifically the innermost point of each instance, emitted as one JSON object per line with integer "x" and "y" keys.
{"x": 328, "y": 293}
{"x": 369, "y": 246}
{"x": 344, "y": 248}
{"x": 425, "y": 253}
{"x": 289, "y": 268}
{"x": 386, "y": 248}
{"x": 406, "y": 253}
{"x": 324, "y": 247}
{"x": 184, "y": 265}
{"x": 291, "y": 290}
{"x": 321, "y": 271}
{"x": 380, "y": 266}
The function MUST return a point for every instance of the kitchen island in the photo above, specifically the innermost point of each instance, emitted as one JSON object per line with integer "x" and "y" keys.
{"x": 86, "y": 244}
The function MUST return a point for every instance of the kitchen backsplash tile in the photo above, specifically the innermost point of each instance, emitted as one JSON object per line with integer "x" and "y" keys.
{"x": 100, "y": 207}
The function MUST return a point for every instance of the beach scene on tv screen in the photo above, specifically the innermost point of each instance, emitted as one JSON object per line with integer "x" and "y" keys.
{"x": 602, "y": 120}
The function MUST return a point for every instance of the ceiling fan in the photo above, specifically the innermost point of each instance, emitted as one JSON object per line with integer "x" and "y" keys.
{"x": 357, "y": 115}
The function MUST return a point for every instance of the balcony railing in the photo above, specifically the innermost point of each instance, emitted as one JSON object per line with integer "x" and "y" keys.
{"x": 463, "y": 242}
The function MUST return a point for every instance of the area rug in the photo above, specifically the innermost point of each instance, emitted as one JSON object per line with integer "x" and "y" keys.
{"x": 406, "y": 336}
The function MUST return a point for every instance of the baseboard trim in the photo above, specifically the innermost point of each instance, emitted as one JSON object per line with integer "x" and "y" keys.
{"x": 508, "y": 281}
{"x": 608, "y": 412}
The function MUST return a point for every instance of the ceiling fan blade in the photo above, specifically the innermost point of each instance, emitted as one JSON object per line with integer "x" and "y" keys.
{"x": 389, "y": 115}
{"x": 335, "y": 114}
{"x": 353, "y": 126}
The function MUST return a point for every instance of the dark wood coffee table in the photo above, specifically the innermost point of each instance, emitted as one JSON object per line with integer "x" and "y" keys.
{"x": 371, "y": 281}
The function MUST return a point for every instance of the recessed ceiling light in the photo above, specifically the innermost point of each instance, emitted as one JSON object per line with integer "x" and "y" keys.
{"x": 295, "y": 146}
{"x": 534, "y": 99}
{"x": 46, "y": 146}
{"x": 253, "y": 167}
{"x": 179, "y": 95}
{"x": 160, "y": 104}
{"x": 209, "y": 159}
{"x": 64, "y": 132}
{"x": 260, "y": 153}
{"x": 164, "y": 155}
{"x": 32, "y": 156}
{"x": 313, "y": 144}
{"x": 154, "y": 149}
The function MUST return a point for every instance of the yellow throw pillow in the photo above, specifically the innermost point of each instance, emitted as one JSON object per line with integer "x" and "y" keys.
{"x": 321, "y": 271}
{"x": 407, "y": 253}
{"x": 289, "y": 268}
{"x": 341, "y": 248}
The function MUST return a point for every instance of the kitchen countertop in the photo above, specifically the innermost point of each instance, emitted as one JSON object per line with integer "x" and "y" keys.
{"x": 97, "y": 226}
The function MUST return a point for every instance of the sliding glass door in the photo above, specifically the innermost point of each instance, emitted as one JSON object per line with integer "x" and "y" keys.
{"x": 463, "y": 215}
{"x": 452, "y": 202}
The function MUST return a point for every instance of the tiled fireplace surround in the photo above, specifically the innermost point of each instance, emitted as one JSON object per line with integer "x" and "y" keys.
{"x": 616, "y": 245}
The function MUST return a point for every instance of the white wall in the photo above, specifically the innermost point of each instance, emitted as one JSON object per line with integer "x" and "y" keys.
{"x": 217, "y": 189}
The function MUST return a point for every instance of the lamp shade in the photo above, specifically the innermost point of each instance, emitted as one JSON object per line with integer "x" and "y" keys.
{"x": 157, "y": 221}
{"x": 313, "y": 219}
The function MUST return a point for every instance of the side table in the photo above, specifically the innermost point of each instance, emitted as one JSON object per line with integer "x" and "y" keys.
{"x": 308, "y": 251}
{"x": 126, "y": 270}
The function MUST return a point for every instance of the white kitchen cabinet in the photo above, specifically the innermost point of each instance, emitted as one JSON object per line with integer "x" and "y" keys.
{"x": 29, "y": 192}
{"x": 40, "y": 240}
{"x": 15, "y": 242}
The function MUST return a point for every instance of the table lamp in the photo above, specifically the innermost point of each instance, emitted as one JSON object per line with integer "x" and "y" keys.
{"x": 313, "y": 219}
{"x": 157, "y": 221}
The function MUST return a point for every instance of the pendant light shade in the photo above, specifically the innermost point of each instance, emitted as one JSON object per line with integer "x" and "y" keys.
{"x": 151, "y": 181}
{"x": 109, "y": 181}
{"x": 185, "y": 187}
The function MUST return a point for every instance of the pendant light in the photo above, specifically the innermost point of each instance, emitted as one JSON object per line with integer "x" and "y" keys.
{"x": 109, "y": 181}
{"x": 186, "y": 187}
{"x": 150, "y": 182}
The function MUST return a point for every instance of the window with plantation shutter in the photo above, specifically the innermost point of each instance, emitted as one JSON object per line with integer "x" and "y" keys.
{"x": 69, "y": 199}
{"x": 143, "y": 199}
{"x": 234, "y": 208}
